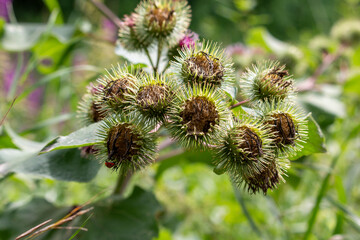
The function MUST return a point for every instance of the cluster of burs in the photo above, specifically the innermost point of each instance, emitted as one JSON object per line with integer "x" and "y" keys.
{"x": 191, "y": 102}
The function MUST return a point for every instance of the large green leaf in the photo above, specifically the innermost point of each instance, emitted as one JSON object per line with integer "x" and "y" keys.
{"x": 315, "y": 142}
{"x": 14, "y": 222}
{"x": 85, "y": 136}
{"x": 133, "y": 218}
{"x": 189, "y": 156}
{"x": 66, "y": 165}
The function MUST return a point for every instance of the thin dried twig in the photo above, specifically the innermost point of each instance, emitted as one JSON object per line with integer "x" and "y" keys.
{"x": 60, "y": 222}
{"x": 69, "y": 217}
{"x": 239, "y": 103}
{"x": 33, "y": 229}
{"x": 107, "y": 13}
{"x": 12, "y": 104}
{"x": 328, "y": 59}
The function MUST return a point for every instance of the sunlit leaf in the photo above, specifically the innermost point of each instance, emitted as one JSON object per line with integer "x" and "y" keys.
{"x": 315, "y": 142}
{"x": 85, "y": 136}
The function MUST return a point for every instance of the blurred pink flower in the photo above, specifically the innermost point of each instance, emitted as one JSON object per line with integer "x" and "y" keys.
{"x": 188, "y": 40}
{"x": 4, "y": 9}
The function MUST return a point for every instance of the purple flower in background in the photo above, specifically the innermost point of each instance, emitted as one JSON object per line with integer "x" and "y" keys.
{"x": 8, "y": 75}
{"x": 188, "y": 40}
{"x": 4, "y": 9}
{"x": 129, "y": 21}
{"x": 110, "y": 29}
{"x": 236, "y": 49}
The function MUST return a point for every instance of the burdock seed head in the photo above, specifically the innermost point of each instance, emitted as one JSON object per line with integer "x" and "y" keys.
{"x": 89, "y": 111}
{"x": 125, "y": 144}
{"x": 197, "y": 116}
{"x": 163, "y": 20}
{"x": 203, "y": 64}
{"x": 128, "y": 36}
{"x": 245, "y": 152}
{"x": 266, "y": 81}
{"x": 268, "y": 177}
{"x": 287, "y": 124}
{"x": 153, "y": 97}
{"x": 117, "y": 88}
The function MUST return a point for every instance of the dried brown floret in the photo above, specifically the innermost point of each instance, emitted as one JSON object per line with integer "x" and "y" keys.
{"x": 199, "y": 115}
{"x": 121, "y": 143}
{"x": 283, "y": 128}
{"x": 205, "y": 68}
{"x": 152, "y": 96}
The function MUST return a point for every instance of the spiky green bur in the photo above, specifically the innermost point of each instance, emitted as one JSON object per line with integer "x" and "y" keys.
{"x": 116, "y": 88}
{"x": 163, "y": 20}
{"x": 287, "y": 124}
{"x": 89, "y": 111}
{"x": 125, "y": 144}
{"x": 153, "y": 98}
{"x": 347, "y": 31}
{"x": 129, "y": 38}
{"x": 269, "y": 177}
{"x": 197, "y": 116}
{"x": 203, "y": 64}
{"x": 245, "y": 153}
{"x": 266, "y": 81}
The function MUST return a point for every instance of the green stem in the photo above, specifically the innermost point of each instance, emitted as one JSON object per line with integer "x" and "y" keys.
{"x": 166, "y": 67}
{"x": 246, "y": 212}
{"x": 151, "y": 62}
{"x": 325, "y": 182}
{"x": 122, "y": 183}
{"x": 160, "y": 46}
{"x": 320, "y": 196}
{"x": 15, "y": 81}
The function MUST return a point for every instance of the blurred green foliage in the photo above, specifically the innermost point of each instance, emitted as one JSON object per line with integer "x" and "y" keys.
{"x": 58, "y": 47}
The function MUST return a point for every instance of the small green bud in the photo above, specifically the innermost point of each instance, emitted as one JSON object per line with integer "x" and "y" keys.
{"x": 287, "y": 124}
{"x": 245, "y": 153}
{"x": 197, "y": 116}
{"x": 266, "y": 81}
{"x": 164, "y": 20}
{"x": 125, "y": 143}
{"x": 203, "y": 64}
{"x": 117, "y": 87}
{"x": 152, "y": 98}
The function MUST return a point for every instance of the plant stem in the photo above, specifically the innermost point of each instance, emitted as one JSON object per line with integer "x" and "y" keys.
{"x": 319, "y": 197}
{"x": 239, "y": 103}
{"x": 327, "y": 60}
{"x": 151, "y": 62}
{"x": 122, "y": 183}
{"x": 160, "y": 43}
{"x": 166, "y": 67}
{"x": 325, "y": 182}
{"x": 107, "y": 13}
{"x": 246, "y": 212}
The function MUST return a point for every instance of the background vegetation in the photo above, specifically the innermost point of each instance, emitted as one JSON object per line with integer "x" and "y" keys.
{"x": 50, "y": 50}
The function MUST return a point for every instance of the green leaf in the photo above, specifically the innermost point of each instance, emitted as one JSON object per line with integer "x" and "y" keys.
{"x": 50, "y": 53}
{"x": 189, "y": 156}
{"x": 2, "y": 24}
{"x": 14, "y": 222}
{"x": 53, "y": 5}
{"x": 315, "y": 142}
{"x": 85, "y": 136}
{"x": 21, "y": 37}
{"x": 352, "y": 84}
{"x": 134, "y": 218}
{"x": 351, "y": 217}
{"x": 325, "y": 102}
{"x": 66, "y": 165}
{"x": 23, "y": 143}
